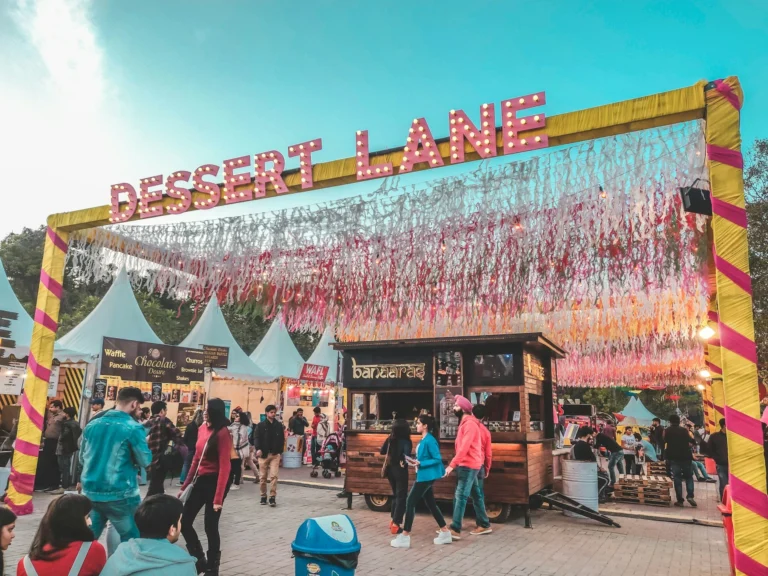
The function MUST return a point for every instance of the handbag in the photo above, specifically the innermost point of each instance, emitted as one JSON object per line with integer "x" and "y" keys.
{"x": 185, "y": 494}
{"x": 386, "y": 459}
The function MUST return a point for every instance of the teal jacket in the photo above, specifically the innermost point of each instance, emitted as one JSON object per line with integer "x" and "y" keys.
{"x": 113, "y": 449}
{"x": 430, "y": 460}
{"x": 149, "y": 557}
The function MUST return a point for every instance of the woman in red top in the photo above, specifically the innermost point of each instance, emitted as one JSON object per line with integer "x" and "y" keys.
{"x": 64, "y": 543}
{"x": 209, "y": 474}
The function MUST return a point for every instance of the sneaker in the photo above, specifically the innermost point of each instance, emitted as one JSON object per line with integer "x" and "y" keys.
{"x": 235, "y": 487}
{"x": 51, "y": 489}
{"x": 691, "y": 501}
{"x": 401, "y": 541}
{"x": 263, "y": 500}
{"x": 479, "y": 531}
{"x": 272, "y": 502}
{"x": 55, "y": 492}
{"x": 443, "y": 538}
{"x": 679, "y": 504}
{"x": 701, "y": 479}
{"x": 455, "y": 535}
{"x": 711, "y": 480}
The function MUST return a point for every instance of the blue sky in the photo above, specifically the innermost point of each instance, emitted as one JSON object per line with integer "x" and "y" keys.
{"x": 96, "y": 93}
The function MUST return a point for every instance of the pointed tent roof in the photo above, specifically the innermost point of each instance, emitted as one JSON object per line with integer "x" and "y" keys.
{"x": 117, "y": 315}
{"x": 276, "y": 353}
{"x": 637, "y": 410}
{"x": 324, "y": 355}
{"x": 211, "y": 329}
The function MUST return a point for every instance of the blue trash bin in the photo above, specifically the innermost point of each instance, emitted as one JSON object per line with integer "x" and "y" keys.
{"x": 326, "y": 546}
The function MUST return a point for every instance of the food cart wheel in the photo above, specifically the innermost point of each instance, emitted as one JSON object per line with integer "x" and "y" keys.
{"x": 378, "y": 503}
{"x": 338, "y": 473}
{"x": 498, "y": 513}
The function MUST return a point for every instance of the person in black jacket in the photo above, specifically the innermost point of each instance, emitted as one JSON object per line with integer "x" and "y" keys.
{"x": 269, "y": 441}
{"x": 66, "y": 448}
{"x": 717, "y": 449}
{"x": 615, "y": 454}
{"x": 677, "y": 447}
{"x": 656, "y": 436}
{"x": 399, "y": 445}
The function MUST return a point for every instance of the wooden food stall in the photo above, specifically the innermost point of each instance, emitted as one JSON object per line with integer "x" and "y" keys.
{"x": 511, "y": 374}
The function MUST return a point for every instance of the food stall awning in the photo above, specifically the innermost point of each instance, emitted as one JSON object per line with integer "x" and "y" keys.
{"x": 276, "y": 353}
{"x": 326, "y": 355}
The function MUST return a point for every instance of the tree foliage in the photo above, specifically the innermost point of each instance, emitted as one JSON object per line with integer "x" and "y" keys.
{"x": 756, "y": 190}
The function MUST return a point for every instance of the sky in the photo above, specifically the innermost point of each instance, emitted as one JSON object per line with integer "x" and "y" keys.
{"x": 96, "y": 93}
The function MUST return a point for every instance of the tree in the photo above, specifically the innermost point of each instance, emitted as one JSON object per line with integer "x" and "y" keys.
{"x": 756, "y": 191}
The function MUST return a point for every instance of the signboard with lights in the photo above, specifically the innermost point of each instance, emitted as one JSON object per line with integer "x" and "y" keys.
{"x": 247, "y": 177}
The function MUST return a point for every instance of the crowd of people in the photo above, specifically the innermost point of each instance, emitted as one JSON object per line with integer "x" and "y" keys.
{"x": 681, "y": 447}
{"x": 471, "y": 462}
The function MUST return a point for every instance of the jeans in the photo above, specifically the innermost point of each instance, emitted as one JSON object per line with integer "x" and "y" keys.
{"x": 682, "y": 469}
{"x": 722, "y": 476}
{"x": 236, "y": 471}
{"x": 616, "y": 459}
{"x": 268, "y": 470}
{"x": 629, "y": 462}
{"x": 203, "y": 493}
{"x": 142, "y": 477}
{"x": 119, "y": 513}
{"x": 113, "y": 539}
{"x": 185, "y": 467}
{"x": 478, "y": 501}
{"x": 699, "y": 470}
{"x": 421, "y": 491}
{"x": 398, "y": 480}
{"x": 157, "y": 474}
{"x": 467, "y": 477}
{"x": 65, "y": 468}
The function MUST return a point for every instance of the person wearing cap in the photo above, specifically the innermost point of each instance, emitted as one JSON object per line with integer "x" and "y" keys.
{"x": 113, "y": 448}
{"x": 467, "y": 462}
{"x": 97, "y": 405}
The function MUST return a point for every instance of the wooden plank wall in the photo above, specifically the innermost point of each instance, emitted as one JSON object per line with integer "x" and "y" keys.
{"x": 540, "y": 473}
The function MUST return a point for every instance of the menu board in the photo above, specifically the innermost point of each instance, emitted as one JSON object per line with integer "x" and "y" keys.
{"x": 448, "y": 385}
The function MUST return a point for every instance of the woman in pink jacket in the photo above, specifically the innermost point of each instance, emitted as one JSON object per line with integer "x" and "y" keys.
{"x": 469, "y": 459}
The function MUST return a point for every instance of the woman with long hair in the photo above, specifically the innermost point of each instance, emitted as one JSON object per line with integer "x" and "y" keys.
{"x": 190, "y": 441}
{"x": 208, "y": 474}
{"x": 429, "y": 467}
{"x": 398, "y": 445}
{"x": 7, "y": 526}
{"x": 240, "y": 448}
{"x": 64, "y": 542}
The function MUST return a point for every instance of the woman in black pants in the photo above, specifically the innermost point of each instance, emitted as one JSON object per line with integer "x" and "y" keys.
{"x": 209, "y": 473}
{"x": 399, "y": 446}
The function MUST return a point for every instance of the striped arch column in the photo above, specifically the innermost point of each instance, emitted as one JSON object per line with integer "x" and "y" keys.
{"x": 709, "y": 411}
{"x": 34, "y": 396}
{"x": 736, "y": 329}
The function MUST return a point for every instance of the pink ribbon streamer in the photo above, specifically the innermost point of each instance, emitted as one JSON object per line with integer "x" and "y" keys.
{"x": 31, "y": 413}
{"x": 743, "y": 425}
{"x": 56, "y": 239}
{"x": 737, "y": 343}
{"x": 45, "y": 320}
{"x": 749, "y": 497}
{"x": 738, "y": 277}
{"x": 725, "y": 90}
{"x": 52, "y": 285}
{"x": 725, "y": 156}
{"x": 730, "y": 212}
{"x": 27, "y": 448}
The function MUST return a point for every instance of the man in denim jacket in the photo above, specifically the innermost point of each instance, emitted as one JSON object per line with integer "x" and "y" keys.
{"x": 113, "y": 449}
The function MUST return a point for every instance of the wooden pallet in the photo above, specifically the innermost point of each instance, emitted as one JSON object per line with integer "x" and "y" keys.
{"x": 643, "y": 500}
{"x": 647, "y": 490}
{"x": 637, "y": 480}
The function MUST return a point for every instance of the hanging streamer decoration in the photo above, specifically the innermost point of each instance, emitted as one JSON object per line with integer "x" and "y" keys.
{"x": 588, "y": 244}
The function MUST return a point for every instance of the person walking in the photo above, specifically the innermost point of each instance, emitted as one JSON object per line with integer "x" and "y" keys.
{"x": 238, "y": 430}
{"x": 298, "y": 425}
{"x": 467, "y": 462}
{"x": 208, "y": 475}
{"x": 717, "y": 449}
{"x": 48, "y": 472}
{"x": 628, "y": 446}
{"x": 315, "y": 446}
{"x": 113, "y": 447}
{"x": 429, "y": 467}
{"x": 161, "y": 433}
{"x": 396, "y": 448}
{"x": 677, "y": 447}
{"x": 269, "y": 442}
{"x": 478, "y": 490}
{"x": 64, "y": 543}
{"x": 615, "y": 453}
{"x": 66, "y": 448}
{"x": 190, "y": 441}
{"x": 656, "y": 436}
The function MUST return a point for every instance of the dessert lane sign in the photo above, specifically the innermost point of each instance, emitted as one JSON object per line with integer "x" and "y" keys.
{"x": 246, "y": 177}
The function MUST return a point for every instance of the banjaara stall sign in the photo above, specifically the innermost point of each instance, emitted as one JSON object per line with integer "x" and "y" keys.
{"x": 147, "y": 362}
{"x": 364, "y": 369}
{"x": 247, "y": 177}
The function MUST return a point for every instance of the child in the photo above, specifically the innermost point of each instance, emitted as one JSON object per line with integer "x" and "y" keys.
{"x": 158, "y": 519}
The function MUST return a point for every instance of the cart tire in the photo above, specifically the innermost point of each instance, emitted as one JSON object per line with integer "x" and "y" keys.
{"x": 498, "y": 513}
{"x": 378, "y": 503}
{"x": 338, "y": 474}
{"x": 326, "y": 474}
{"x": 313, "y": 474}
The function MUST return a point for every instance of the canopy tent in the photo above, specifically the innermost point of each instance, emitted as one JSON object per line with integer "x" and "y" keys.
{"x": 212, "y": 330}
{"x": 276, "y": 354}
{"x": 117, "y": 315}
{"x": 636, "y": 410}
{"x": 21, "y": 328}
{"x": 324, "y": 355}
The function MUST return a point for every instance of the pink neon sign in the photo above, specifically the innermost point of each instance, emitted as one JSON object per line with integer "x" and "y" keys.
{"x": 245, "y": 177}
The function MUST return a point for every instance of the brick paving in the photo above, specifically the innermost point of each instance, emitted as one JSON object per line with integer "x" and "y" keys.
{"x": 256, "y": 541}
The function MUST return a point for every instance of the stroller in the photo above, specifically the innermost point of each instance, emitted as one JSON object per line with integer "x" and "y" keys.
{"x": 330, "y": 456}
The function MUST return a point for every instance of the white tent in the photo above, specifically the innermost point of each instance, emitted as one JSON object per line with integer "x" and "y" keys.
{"x": 276, "y": 353}
{"x": 325, "y": 355}
{"x": 636, "y": 409}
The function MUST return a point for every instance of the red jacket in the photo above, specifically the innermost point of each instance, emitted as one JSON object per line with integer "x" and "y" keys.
{"x": 487, "y": 450}
{"x": 469, "y": 444}
{"x": 315, "y": 423}
{"x": 212, "y": 464}
{"x": 61, "y": 562}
